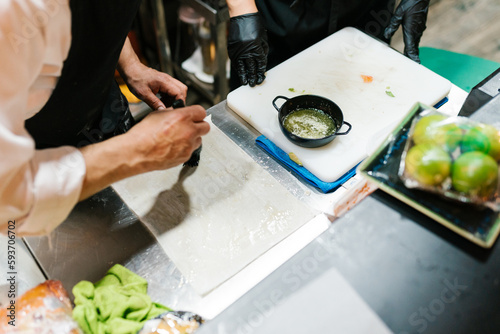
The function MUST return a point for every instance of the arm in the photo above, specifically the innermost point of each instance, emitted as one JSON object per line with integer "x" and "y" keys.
{"x": 37, "y": 191}
{"x": 39, "y": 188}
{"x": 162, "y": 140}
{"x": 145, "y": 82}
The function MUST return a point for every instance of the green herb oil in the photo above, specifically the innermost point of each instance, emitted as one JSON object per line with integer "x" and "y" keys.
{"x": 309, "y": 123}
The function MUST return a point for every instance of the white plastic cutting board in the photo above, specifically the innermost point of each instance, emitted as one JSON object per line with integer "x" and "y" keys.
{"x": 333, "y": 68}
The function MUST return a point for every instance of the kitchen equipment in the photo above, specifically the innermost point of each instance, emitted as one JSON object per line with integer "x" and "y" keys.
{"x": 481, "y": 94}
{"x": 207, "y": 45}
{"x": 188, "y": 27}
{"x": 477, "y": 224}
{"x": 310, "y": 102}
{"x": 338, "y": 68}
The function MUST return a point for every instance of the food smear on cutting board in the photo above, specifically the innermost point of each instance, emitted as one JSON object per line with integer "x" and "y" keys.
{"x": 295, "y": 158}
{"x": 367, "y": 78}
{"x": 293, "y": 90}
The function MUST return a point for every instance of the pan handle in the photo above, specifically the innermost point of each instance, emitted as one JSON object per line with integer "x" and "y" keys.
{"x": 347, "y": 131}
{"x": 276, "y": 98}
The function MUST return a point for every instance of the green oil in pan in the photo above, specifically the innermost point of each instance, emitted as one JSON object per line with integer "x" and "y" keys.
{"x": 309, "y": 123}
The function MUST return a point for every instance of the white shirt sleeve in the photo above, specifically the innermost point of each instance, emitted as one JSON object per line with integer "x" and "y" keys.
{"x": 38, "y": 188}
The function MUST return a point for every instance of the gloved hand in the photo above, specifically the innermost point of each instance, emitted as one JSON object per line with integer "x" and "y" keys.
{"x": 412, "y": 15}
{"x": 247, "y": 48}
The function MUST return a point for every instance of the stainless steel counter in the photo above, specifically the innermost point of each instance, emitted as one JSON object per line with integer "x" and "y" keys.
{"x": 102, "y": 231}
{"x": 398, "y": 260}
{"x": 417, "y": 275}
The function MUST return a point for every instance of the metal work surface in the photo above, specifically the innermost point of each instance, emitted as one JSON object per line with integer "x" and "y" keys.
{"x": 418, "y": 276}
{"x": 102, "y": 231}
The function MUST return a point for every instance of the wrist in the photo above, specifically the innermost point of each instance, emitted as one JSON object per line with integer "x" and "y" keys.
{"x": 128, "y": 68}
{"x": 241, "y": 7}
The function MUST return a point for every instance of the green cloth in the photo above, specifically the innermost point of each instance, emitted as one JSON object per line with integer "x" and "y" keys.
{"x": 117, "y": 304}
{"x": 463, "y": 70}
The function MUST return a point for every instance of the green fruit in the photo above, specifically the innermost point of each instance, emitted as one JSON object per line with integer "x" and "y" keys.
{"x": 484, "y": 138}
{"x": 421, "y": 132}
{"x": 428, "y": 164}
{"x": 435, "y": 129}
{"x": 475, "y": 174}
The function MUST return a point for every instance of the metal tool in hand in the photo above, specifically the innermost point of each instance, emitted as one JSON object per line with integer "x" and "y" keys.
{"x": 195, "y": 156}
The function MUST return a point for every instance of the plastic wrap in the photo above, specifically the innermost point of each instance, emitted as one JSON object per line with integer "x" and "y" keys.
{"x": 44, "y": 309}
{"x": 175, "y": 322}
{"x": 454, "y": 157}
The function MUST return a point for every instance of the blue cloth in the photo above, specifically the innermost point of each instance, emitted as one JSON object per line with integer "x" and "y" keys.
{"x": 283, "y": 157}
{"x": 309, "y": 177}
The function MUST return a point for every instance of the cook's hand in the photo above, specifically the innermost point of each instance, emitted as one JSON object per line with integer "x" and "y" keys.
{"x": 247, "y": 48}
{"x": 167, "y": 138}
{"x": 163, "y": 139}
{"x": 412, "y": 15}
{"x": 145, "y": 82}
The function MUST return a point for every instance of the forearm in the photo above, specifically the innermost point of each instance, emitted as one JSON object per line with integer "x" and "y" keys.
{"x": 105, "y": 163}
{"x": 240, "y": 7}
{"x": 128, "y": 60}
{"x": 160, "y": 141}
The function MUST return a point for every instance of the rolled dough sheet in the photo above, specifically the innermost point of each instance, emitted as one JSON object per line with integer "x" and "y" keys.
{"x": 215, "y": 219}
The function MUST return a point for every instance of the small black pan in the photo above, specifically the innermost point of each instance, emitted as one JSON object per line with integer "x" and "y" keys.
{"x": 310, "y": 102}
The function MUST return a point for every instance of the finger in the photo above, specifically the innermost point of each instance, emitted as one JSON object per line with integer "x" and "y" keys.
{"x": 173, "y": 87}
{"x": 261, "y": 69}
{"x": 411, "y": 51}
{"x": 414, "y": 56}
{"x": 394, "y": 24}
{"x": 242, "y": 73}
{"x": 196, "y": 144}
{"x": 411, "y": 41}
{"x": 182, "y": 91}
{"x": 197, "y": 113}
{"x": 251, "y": 71}
{"x": 153, "y": 101}
{"x": 202, "y": 128}
{"x": 260, "y": 78}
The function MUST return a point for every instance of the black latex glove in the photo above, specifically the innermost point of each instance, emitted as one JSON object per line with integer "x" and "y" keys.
{"x": 247, "y": 48}
{"x": 412, "y": 15}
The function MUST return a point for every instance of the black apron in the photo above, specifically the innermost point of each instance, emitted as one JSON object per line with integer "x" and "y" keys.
{"x": 86, "y": 105}
{"x": 294, "y": 25}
